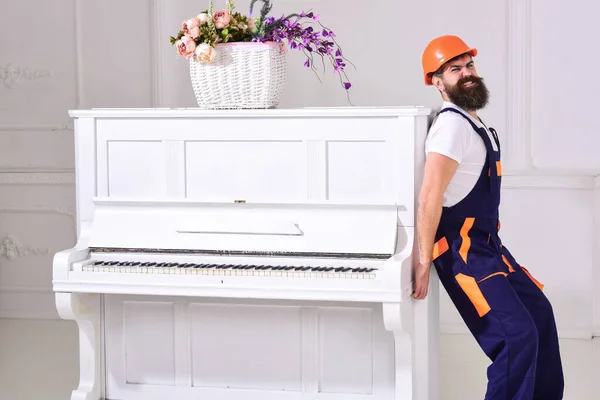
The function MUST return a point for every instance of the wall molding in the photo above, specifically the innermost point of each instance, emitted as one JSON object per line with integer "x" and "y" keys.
{"x": 596, "y": 262}
{"x": 78, "y": 51}
{"x": 6, "y": 169}
{"x": 11, "y": 249}
{"x": 580, "y": 334}
{"x": 518, "y": 99}
{"x": 66, "y": 126}
{"x": 157, "y": 12}
{"x": 25, "y": 289}
{"x": 13, "y": 75}
{"x": 64, "y": 211}
{"x": 538, "y": 179}
{"x": 37, "y": 178}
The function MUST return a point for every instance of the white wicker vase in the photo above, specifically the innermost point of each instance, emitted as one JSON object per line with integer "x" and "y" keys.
{"x": 242, "y": 75}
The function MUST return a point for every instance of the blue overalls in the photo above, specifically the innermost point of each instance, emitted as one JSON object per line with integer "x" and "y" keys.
{"x": 501, "y": 303}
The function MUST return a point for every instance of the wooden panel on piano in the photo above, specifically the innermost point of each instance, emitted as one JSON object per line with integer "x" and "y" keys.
{"x": 342, "y": 329}
{"x": 250, "y": 350}
{"x": 233, "y": 346}
{"x": 269, "y": 159}
{"x": 245, "y": 169}
{"x": 358, "y": 171}
{"x": 148, "y": 326}
{"x": 135, "y": 168}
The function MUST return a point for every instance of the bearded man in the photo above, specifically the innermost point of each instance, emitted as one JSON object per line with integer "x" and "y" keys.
{"x": 458, "y": 226}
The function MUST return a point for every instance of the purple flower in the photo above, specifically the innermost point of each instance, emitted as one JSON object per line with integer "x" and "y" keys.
{"x": 305, "y": 38}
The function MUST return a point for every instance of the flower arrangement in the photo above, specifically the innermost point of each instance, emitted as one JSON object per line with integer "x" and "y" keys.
{"x": 199, "y": 35}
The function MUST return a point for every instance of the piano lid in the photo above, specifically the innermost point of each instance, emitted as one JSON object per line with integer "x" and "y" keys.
{"x": 282, "y": 229}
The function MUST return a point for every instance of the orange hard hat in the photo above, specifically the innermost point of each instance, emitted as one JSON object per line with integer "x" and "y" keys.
{"x": 442, "y": 49}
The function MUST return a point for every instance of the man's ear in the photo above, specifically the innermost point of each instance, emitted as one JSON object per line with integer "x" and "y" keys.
{"x": 438, "y": 83}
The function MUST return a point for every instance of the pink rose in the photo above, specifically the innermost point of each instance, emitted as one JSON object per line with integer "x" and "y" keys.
{"x": 202, "y": 19}
{"x": 186, "y": 47}
{"x": 205, "y": 52}
{"x": 221, "y": 18}
{"x": 190, "y": 24}
{"x": 194, "y": 32}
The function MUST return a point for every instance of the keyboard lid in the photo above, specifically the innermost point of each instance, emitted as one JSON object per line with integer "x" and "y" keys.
{"x": 293, "y": 229}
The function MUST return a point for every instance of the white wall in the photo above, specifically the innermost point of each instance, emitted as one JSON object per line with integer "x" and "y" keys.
{"x": 537, "y": 57}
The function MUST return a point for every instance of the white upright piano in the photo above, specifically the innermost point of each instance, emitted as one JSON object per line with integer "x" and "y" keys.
{"x": 248, "y": 255}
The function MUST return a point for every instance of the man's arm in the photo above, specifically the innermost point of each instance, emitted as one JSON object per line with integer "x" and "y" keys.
{"x": 439, "y": 170}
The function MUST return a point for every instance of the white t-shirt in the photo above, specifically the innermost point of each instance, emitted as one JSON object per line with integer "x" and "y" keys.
{"x": 453, "y": 136}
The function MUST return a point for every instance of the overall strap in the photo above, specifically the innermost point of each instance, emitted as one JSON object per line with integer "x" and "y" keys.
{"x": 475, "y": 127}
{"x": 494, "y": 185}
{"x": 495, "y": 135}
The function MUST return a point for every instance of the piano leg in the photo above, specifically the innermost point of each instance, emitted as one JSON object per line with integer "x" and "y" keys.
{"x": 425, "y": 333}
{"x": 392, "y": 320}
{"x": 85, "y": 310}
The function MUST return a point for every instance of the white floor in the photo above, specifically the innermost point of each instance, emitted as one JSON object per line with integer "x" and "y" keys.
{"x": 38, "y": 360}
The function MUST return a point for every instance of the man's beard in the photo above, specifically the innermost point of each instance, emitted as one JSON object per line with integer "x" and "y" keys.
{"x": 473, "y": 97}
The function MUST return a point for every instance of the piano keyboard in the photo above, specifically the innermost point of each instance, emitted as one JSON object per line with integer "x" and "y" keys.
{"x": 282, "y": 271}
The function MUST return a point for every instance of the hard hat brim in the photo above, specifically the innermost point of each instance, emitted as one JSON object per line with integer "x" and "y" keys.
{"x": 471, "y": 51}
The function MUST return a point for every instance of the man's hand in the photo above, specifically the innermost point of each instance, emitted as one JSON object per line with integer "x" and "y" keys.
{"x": 421, "y": 281}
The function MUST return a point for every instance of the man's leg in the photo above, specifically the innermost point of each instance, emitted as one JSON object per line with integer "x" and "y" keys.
{"x": 501, "y": 325}
{"x": 549, "y": 383}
